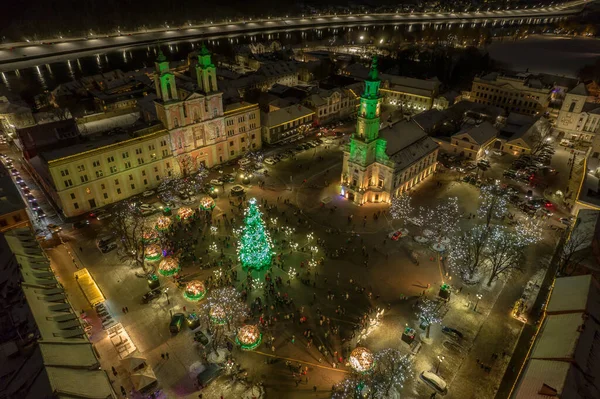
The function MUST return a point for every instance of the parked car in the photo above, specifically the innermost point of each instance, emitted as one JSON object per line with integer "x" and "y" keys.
{"x": 484, "y": 162}
{"x": 498, "y": 153}
{"x": 395, "y": 235}
{"x": 30, "y": 197}
{"x": 565, "y": 221}
{"x": 209, "y": 374}
{"x": 108, "y": 247}
{"x": 435, "y": 382}
{"x": 270, "y": 161}
{"x": 81, "y": 224}
{"x": 146, "y": 209}
{"x": 199, "y": 336}
{"x": 453, "y": 332}
{"x": 103, "y": 215}
{"x": 151, "y": 295}
{"x": 546, "y": 212}
{"x": 237, "y": 190}
{"x": 216, "y": 182}
{"x": 14, "y": 172}
{"x": 54, "y": 228}
{"x": 22, "y": 185}
{"x": 148, "y": 193}
{"x": 176, "y": 323}
{"x": 34, "y": 205}
{"x": 19, "y": 179}
{"x": 40, "y": 213}
{"x": 244, "y": 162}
{"x": 104, "y": 240}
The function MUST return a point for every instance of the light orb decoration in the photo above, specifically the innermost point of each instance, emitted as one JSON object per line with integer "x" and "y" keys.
{"x": 248, "y": 337}
{"x": 207, "y": 203}
{"x": 150, "y": 236}
{"x": 217, "y": 314}
{"x": 185, "y": 213}
{"x": 163, "y": 223}
{"x": 153, "y": 252}
{"x": 195, "y": 290}
{"x": 169, "y": 266}
{"x": 361, "y": 359}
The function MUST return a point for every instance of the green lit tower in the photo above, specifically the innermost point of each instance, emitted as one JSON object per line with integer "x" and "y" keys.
{"x": 366, "y": 147}
{"x": 206, "y": 73}
{"x": 164, "y": 80}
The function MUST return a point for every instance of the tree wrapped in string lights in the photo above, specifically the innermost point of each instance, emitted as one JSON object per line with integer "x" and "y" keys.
{"x": 504, "y": 251}
{"x": 255, "y": 248}
{"x": 429, "y": 312}
{"x": 443, "y": 219}
{"x": 529, "y": 231}
{"x": 401, "y": 207}
{"x": 225, "y": 310}
{"x": 385, "y": 379}
{"x": 467, "y": 251}
{"x": 494, "y": 203}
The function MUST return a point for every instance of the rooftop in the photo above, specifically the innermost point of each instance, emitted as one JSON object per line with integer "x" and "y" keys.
{"x": 570, "y": 294}
{"x": 406, "y": 143}
{"x": 97, "y": 142}
{"x": 10, "y": 197}
{"x": 430, "y": 119}
{"x": 284, "y": 115}
{"x": 481, "y": 133}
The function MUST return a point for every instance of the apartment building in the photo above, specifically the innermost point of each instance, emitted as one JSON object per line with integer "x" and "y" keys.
{"x": 105, "y": 169}
{"x": 520, "y": 93}
{"x": 579, "y": 117}
{"x": 409, "y": 94}
{"x": 472, "y": 142}
{"x": 330, "y": 105}
{"x": 285, "y": 122}
{"x": 13, "y": 212}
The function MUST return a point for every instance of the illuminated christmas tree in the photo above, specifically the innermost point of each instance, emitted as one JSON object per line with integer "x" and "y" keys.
{"x": 255, "y": 248}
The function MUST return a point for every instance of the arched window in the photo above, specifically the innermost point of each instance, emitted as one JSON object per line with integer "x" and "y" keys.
{"x": 176, "y": 122}
{"x": 168, "y": 94}
{"x": 196, "y": 116}
{"x": 215, "y": 112}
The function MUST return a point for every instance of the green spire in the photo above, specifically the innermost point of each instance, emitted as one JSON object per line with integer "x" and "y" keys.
{"x": 204, "y": 50}
{"x": 374, "y": 73}
{"x": 161, "y": 57}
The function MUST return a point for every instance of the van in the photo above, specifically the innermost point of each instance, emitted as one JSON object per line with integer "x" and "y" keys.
{"x": 176, "y": 323}
{"x": 435, "y": 382}
{"x": 103, "y": 241}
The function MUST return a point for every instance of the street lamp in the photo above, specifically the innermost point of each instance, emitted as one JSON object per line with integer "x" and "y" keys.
{"x": 167, "y": 294}
{"x": 440, "y": 360}
{"x": 477, "y": 302}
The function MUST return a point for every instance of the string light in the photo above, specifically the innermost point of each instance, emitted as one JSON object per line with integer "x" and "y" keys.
{"x": 401, "y": 207}
{"x": 169, "y": 266}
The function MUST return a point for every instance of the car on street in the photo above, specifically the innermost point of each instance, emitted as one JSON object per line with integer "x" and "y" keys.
{"x": 199, "y": 336}
{"x": 147, "y": 209}
{"x": 148, "y": 193}
{"x": 244, "y": 162}
{"x": 285, "y": 155}
{"x": 19, "y": 179}
{"x": 216, "y": 182}
{"x": 270, "y": 161}
{"x": 237, "y": 190}
{"x": 81, "y": 224}
{"x": 108, "y": 247}
{"x": 54, "y": 228}
{"x": 151, "y": 295}
{"x": 498, "y": 153}
{"x": 176, "y": 323}
{"x": 103, "y": 215}
{"x": 565, "y": 221}
{"x": 14, "y": 172}
{"x": 39, "y": 213}
{"x": 434, "y": 381}
{"x": 546, "y": 212}
{"x": 22, "y": 185}
{"x": 395, "y": 235}
{"x": 34, "y": 205}
{"x": 30, "y": 197}
{"x": 453, "y": 332}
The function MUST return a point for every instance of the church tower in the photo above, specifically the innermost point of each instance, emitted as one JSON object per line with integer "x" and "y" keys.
{"x": 365, "y": 145}
{"x": 206, "y": 73}
{"x": 367, "y": 126}
{"x": 164, "y": 80}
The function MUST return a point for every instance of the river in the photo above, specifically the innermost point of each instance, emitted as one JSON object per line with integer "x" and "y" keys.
{"x": 548, "y": 54}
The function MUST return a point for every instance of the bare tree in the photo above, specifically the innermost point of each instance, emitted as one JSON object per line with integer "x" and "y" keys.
{"x": 539, "y": 136}
{"x": 574, "y": 251}
{"x": 429, "y": 312}
{"x": 130, "y": 227}
{"x": 493, "y": 204}
{"x": 467, "y": 251}
{"x": 504, "y": 253}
